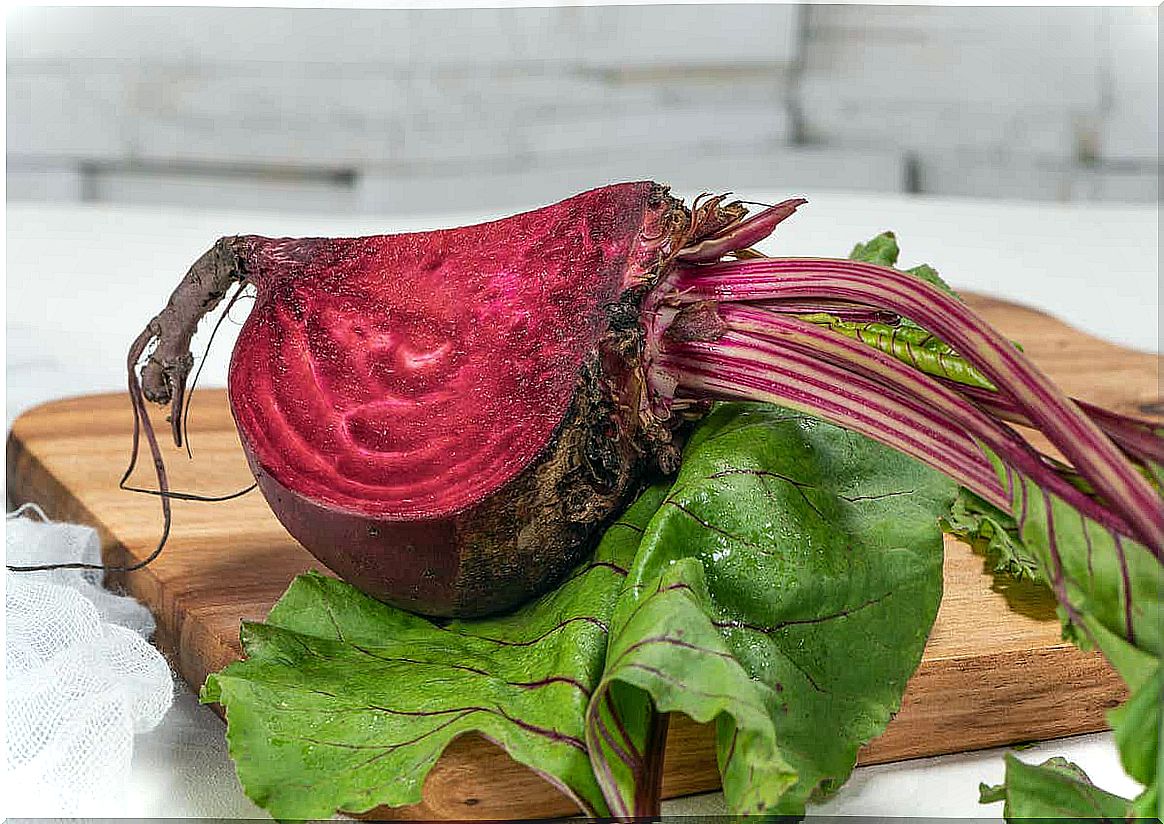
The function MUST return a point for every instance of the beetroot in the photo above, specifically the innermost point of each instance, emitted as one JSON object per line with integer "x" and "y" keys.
{"x": 444, "y": 418}
{"x": 436, "y": 416}
{"x": 447, "y": 419}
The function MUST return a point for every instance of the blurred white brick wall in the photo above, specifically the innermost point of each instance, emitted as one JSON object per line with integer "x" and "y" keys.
{"x": 491, "y": 108}
{"x": 1042, "y": 103}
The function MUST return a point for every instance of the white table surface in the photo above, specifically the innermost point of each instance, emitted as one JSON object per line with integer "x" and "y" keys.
{"x": 83, "y": 280}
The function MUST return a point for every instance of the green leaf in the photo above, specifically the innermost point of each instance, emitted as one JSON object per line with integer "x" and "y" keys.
{"x": 881, "y": 250}
{"x": 822, "y": 559}
{"x": 991, "y": 794}
{"x": 994, "y": 533}
{"x": 664, "y": 645}
{"x": 1136, "y": 727}
{"x": 1098, "y": 577}
{"x": 1156, "y": 473}
{"x": 884, "y": 251}
{"x": 930, "y": 275}
{"x": 1148, "y": 804}
{"x": 908, "y": 343}
{"x": 344, "y": 703}
{"x": 1110, "y": 591}
{"x": 1056, "y": 790}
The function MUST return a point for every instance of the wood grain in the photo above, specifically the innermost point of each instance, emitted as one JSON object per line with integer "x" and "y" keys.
{"x": 995, "y": 670}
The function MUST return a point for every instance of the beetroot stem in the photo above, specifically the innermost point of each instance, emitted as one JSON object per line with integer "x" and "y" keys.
{"x": 879, "y": 366}
{"x": 740, "y": 235}
{"x": 1089, "y": 450}
{"x": 741, "y": 367}
{"x": 1135, "y": 437}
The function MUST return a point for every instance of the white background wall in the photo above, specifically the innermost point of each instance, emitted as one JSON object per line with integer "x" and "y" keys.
{"x": 377, "y": 110}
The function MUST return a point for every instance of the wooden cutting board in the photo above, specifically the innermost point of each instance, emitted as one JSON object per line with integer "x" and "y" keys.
{"x": 995, "y": 670}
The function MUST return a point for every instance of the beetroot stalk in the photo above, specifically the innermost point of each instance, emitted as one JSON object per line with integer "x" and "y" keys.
{"x": 840, "y": 309}
{"x": 1138, "y": 439}
{"x": 811, "y": 384}
{"x": 1072, "y": 432}
{"x": 734, "y": 371}
{"x": 769, "y": 335}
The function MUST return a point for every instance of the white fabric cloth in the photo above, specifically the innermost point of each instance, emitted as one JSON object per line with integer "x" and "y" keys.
{"x": 81, "y": 677}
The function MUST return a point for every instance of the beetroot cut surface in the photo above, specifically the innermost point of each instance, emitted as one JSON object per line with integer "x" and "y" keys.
{"x": 411, "y": 376}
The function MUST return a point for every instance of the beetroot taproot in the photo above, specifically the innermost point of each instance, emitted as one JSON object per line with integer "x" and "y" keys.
{"x": 447, "y": 419}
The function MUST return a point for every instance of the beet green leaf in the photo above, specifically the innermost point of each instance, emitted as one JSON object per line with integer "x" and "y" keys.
{"x": 994, "y": 534}
{"x": 664, "y": 645}
{"x": 816, "y": 556}
{"x": 1056, "y": 790}
{"x": 1110, "y": 594}
{"x": 1137, "y": 729}
{"x": 1108, "y": 586}
{"x": 344, "y": 703}
{"x": 1109, "y": 589}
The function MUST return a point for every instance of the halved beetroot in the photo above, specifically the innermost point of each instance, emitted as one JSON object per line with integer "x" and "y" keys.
{"x": 446, "y": 418}
{"x": 386, "y": 387}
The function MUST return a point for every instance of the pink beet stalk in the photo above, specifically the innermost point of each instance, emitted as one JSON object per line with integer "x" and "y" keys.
{"x": 1092, "y": 453}
{"x": 740, "y": 368}
{"x": 1138, "y": 439}
{"x": 940, "y": 401}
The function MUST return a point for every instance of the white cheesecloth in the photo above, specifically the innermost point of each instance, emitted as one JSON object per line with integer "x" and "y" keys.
{"x": 81, "y": 677}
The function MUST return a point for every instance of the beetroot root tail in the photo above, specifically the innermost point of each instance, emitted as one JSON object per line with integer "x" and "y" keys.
{"x": 163, "y": 381}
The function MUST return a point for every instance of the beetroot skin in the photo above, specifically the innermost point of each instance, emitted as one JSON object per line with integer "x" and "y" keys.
{"x": 446, "y": 419}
